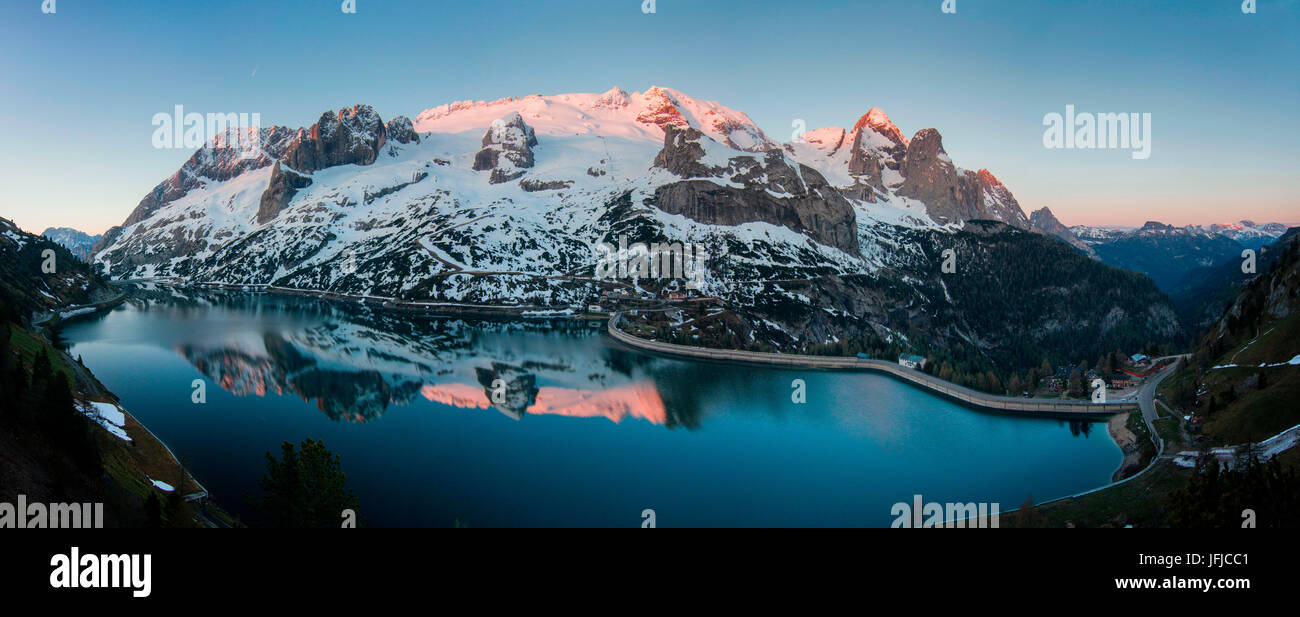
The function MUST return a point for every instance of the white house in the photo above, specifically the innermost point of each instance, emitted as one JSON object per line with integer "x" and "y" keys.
{"x": 911, "y": 361}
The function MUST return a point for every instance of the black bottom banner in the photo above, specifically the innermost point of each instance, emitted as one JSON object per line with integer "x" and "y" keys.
{"x": 218, "y": 567}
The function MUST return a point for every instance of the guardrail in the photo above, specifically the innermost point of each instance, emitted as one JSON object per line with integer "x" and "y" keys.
{"x": 914, "y": 377}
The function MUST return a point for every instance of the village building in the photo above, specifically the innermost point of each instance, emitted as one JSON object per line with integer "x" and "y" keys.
{"x": 911, "y": 361}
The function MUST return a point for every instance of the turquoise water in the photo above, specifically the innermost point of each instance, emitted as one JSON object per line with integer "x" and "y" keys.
{"x": 580, "y": 432}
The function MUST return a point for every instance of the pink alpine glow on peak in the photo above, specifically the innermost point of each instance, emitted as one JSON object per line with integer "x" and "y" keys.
{"x": 613, "y": 113}
{"x": 988, "y": 178}
{"x": 879, "y": 121}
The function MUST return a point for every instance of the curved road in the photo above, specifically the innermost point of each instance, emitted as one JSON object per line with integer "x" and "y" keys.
{"x": 1146, "y": 401}
{"x": 1078, "y": 409}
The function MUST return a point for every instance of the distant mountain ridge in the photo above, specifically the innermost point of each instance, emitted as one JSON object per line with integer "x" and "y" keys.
{"x": 80, "y": 243}
{"x": 1244, "y": 376}
{"x": 1172, "y": 256}
{"x": 1206, "y": 292}
{"x": 1165, "y": 253}
{"x": 27, "y": 289}
{"x": 1044, "y": 222}
{"x": 1247, "y": 233}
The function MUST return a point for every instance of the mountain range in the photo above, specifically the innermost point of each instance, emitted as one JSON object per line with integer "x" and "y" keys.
{"x": 1242, "y": 378}
{"x": 1165, "y": 253}
{"x": 840, "y": 233}
{"x": 38, "y": 276}
{"x": 80, "y": 243}
{"x": 1204, "y": 293}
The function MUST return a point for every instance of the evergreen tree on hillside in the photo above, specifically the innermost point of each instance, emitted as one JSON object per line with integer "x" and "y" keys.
{"x": 304, "y": 488}
{"x": 6, "y": 369}
{"x": 66, "y": 426}
{"x": 41, "y": 374}
{"x": 1215, "y": 497}
{"x": 18, "y": 382}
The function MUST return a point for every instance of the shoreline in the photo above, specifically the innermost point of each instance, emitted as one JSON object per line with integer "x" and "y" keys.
{"x": 134, "y": 459}
{"x": 90, "y": 390}
{"x": 433, "y": 309}
{"x": 1012, "y": 406}
{"x": 1001, "y": 404}
{"x": 1127, "y": 441}
{"x": 54, "y": 318}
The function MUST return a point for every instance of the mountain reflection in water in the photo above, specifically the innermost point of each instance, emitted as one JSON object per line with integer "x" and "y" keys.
{"x": 352, "y": 364}
{"x": 443, "y": 420}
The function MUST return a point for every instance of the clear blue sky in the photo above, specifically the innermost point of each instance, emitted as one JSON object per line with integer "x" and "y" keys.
{"x": 79, "y": 87}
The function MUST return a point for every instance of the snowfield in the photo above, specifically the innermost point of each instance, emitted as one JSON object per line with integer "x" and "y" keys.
{"x": 421, "y": 225}
{"x": 108, "y": 416}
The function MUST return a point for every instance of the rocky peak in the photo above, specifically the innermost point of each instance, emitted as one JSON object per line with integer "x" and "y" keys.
{"x": 809, "y": 205}
{"x": 401, "y": 130}
{"x": 878, "y": 121}
{"x": 353, "y": 136}
{"x": 614, "y": 98}
{"x": 1156, "y": 227}
{"x": 926, "y": 147}
{"x": 219, "y": 160}
{"x": 510, "y": 132}
{"x": 952, "y": 195}
{"x": 74, "y": 240}
{"x": 988, "y": 179}
{"x": 682, "y": 153}
{"x": 507, "y": 149}
{"x": 661, "y": 110}
{"x": 1044, "y": 222}
{"x": 284, "y": 184}
{"x": 998, "y": 203}
{"x": 930, "y": 176}
{"x": 876, "y": 145}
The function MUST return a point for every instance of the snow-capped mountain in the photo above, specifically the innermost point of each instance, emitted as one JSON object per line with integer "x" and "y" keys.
{"x": 525, "y": 185}
{"x": 1247, "y": 233}
{"x": 505, "y": 203}
{"x": 1169, "y": 254}
{"x": 80, "y": 243}
{"x": 39, "y": 277}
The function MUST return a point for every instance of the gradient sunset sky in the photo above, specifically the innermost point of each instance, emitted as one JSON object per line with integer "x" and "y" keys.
{"x": 81, "y": 86}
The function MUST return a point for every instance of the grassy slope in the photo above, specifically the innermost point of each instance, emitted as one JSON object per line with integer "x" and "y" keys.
{"x": 130, "y": 465}
{"x": 1257, "y": 414}
{"x": 1140, "y": 503}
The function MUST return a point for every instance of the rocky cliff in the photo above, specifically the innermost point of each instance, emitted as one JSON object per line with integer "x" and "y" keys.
{"x": 770, "y": 190}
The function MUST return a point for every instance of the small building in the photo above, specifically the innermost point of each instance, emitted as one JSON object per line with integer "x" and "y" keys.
{"x": 676, "y": 296}
{"x": 1120, "y": 382}
{"x": 911, "y": 361}
{"x": 1139, "y": 359}
{"x": 595, "y": 308}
